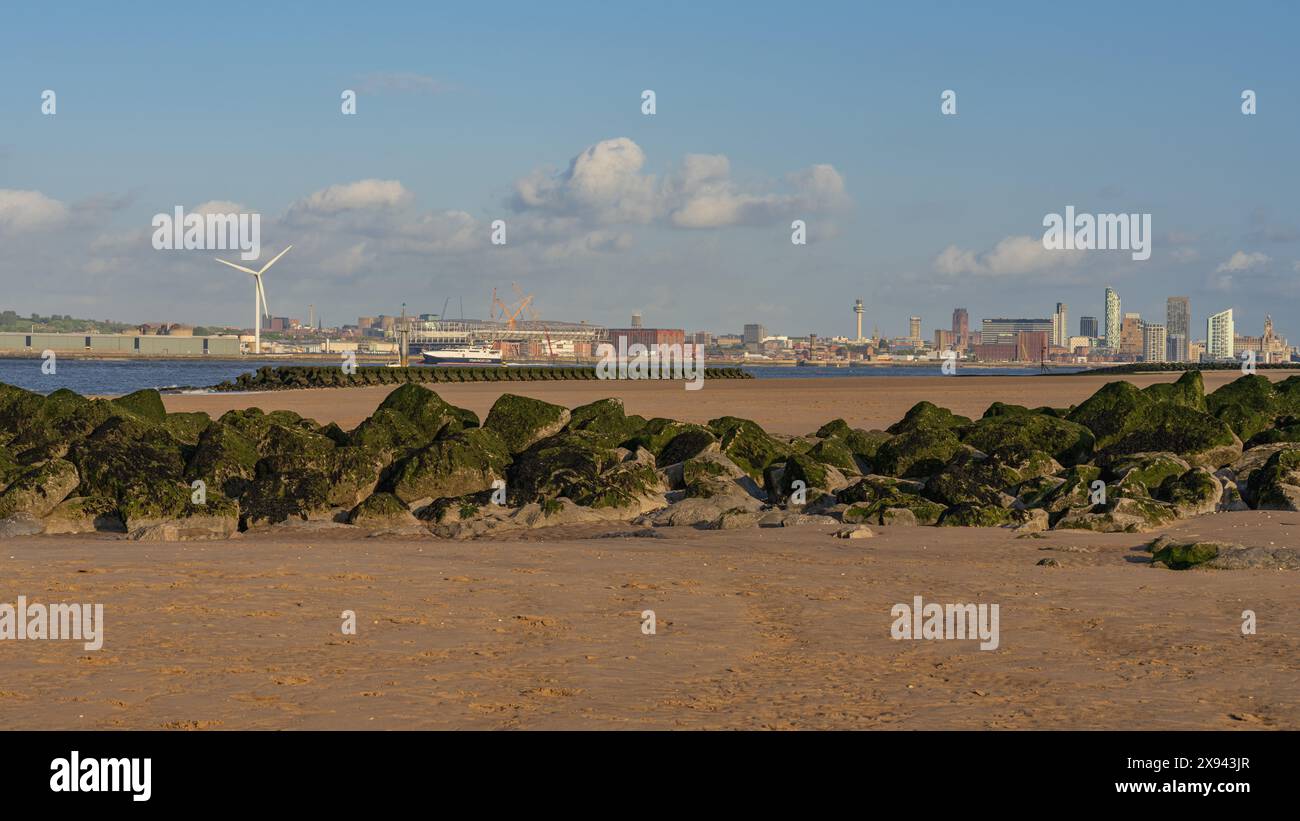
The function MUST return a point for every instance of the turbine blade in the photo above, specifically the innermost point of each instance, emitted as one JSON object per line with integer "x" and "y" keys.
{"x": 266, "y": 309}
{"x": 236, "y": 267}
{"x": 273, "y": 260}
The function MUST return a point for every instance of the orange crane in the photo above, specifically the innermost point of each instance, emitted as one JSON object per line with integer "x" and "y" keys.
{"x": 502, "y": 311}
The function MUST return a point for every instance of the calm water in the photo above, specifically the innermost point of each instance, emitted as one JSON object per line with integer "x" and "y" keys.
{"x": 88, "y": 376}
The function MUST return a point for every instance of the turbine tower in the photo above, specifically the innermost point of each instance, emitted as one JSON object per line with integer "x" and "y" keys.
{"x": 260, "y": 308}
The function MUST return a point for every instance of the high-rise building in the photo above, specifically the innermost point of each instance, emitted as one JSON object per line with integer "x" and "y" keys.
{"x": 961, "y": 328}
{"x": 1001, "y": 331}
{"x": 1060, "y": 325}
{"x": 1153, "y": 343}
{"x": 1131, "y": 341}
{"x": 1112, "y": 319}
{"x": 755, "y": 334}
{"x": 1219, "y": 334}
{"x": 1088, "y": 326}
{"x": 914, "y": 328}
{"x": 944, "y": 339}
{"x": 1178, "y": 315}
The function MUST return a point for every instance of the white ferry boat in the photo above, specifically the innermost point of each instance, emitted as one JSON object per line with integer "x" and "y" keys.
{"x": 463, "y": 355}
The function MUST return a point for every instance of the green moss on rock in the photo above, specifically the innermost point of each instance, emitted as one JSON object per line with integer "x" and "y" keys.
{"x": 521, "y": 422}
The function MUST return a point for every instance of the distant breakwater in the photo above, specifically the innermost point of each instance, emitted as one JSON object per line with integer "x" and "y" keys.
{"x": 271, "y": 378}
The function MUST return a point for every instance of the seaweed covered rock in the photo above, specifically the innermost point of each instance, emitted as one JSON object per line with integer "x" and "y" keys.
{"x": 1125, "y": 514}
{"x": 1199, "y": 438}
{"x": 139, "y": 465}
{"x": 977, "y": 515}
{"x": 1183, "y": 555}
{"x": 748, "y": 445}
{"x": 466, "y": 462}
{"x": 46, "y": 427}
{"x": 1276, "y": 485}
{"x": 927, "y": 415}
{"x": 381, "y": 510}
{"x": 411, "y": 417}
{"x": 224, "y": 459}
{"x": 84, "y": 514}
{"x": 835, "y": 452}
{"x": 606, "y": 416}
{"x": 293, "y": 478}
{"x": 1077, "y": 489}
{"x": 1107, "y": 411}
{"x": 568, "y": 464}
{"x": 878, "y": 500}
{"x": 1067, "y": 442}
{"x": 968, "y": 479}
{"x": 147, "y": 404}
{"x": 1193, "y": 493}
{"x": 1248, "y": 405}
{"x": 1147, "y": 470}
{"x": 919, "y": 451}
{"x": 690, "y": 441}
{"x": 1187, "y": 390}
{"x": 39, "y": 490}
{"x": 521, "y": 422}
{"x": 860, "y": 443}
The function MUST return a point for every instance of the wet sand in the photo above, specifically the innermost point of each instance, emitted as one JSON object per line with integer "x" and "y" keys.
{"x": 790, "y": 406}
{"x": 771, "y": 628}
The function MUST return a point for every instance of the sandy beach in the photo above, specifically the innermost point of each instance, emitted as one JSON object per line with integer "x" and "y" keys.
{"x": 772, "y": 628}
{"x": 756, "y": 628}
{"x": 789, "y": 406}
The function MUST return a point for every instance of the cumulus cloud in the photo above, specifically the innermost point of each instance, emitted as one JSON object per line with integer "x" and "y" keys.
{"x": 1011, "y": 257}
{"x": 354, "y": 196}
{"x": 24, "y": 211}
{"x": 606, "y": 184}
{"x": 1242, "y": 261}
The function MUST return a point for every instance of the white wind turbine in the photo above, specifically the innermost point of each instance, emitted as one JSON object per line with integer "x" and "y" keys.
{"x": 260, "y": 307}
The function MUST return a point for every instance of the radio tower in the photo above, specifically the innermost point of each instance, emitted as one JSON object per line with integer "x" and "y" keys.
{"x": 859, "y": 310}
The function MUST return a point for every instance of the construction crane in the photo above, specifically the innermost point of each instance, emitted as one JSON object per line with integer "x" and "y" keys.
{"x": 500, "y": 310}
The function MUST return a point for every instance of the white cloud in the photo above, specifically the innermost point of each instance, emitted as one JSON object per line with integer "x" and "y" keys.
{"x": 1241, "y": 261}
{"x": 354, "y": 196}
{"x": 1011, "y": 257}
{"x": 605, "y": 185}
{"x": 23, "y": 211}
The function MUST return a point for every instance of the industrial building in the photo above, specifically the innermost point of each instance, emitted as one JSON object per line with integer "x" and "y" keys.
{"x": 120, "y": 344}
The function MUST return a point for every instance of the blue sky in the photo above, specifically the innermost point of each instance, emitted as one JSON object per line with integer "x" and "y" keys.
{"x": 1112, "y": 107}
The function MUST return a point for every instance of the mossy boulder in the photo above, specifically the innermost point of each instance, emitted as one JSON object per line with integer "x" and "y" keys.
{"x": 139, "y": 465}
{"x": 748, "y": 445}
{"x": 410, "y": 418}
{"x": 977, "y": 515}
{"x": 1067, "y": 442}
{"x": 835, "y": 427}
{"x": 466, "y": 462}
{"x": 225, "y": 459}
{"x": 1276, "y": 486}
{"x": 920, "y": 451}
{"x": 690, "y": 441}
{"x": 1193, "y": 493}
{"x": 146, "y": 404}
{"x": 802, "y": 468}
{"x": 927, "y": 415}
{"x": 1107, "y": 412}
{"x": 40, "y": 489}
{"x": 522, "y": 422}
{"x": 568, "y": 464}
{"x": 1148, "y": 470}
{"x": 971, "y": 480}
{"x": 1125, "y": 514}
{"x": 1075, "y": 491}
{"x": 1183, "y": 555}
{"x": 606, "y": 416}
{"x": 835, "y": 452}
{"x": 294, "y": 478}
{"x": 381, "y": 510}
{"x": 872, "y": 497}
{"x": 186, "y": 428}
{"x": 1199, "y": 438}
{"x": 84, "y": 514}
{"x": 1188, "y": 390}
{"x": 46, "y": 427}
{"x": 1248, "y": 405}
